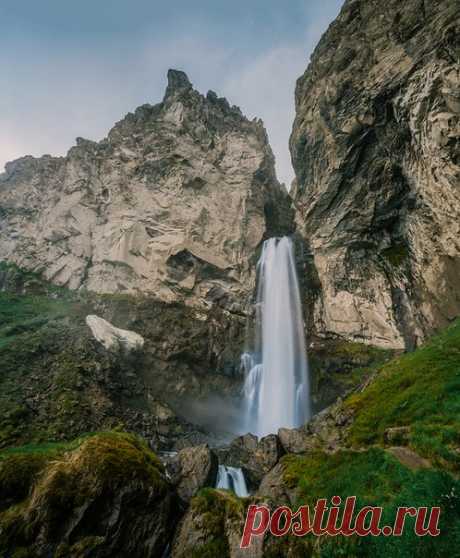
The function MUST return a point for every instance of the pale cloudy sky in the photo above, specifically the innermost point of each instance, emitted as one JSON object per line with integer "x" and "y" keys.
{"x": 73, "y": 68}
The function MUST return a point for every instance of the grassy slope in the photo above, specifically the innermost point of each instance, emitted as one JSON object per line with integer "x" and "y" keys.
{"x": 377, "y": 479}
{"x": 420, "y": 390}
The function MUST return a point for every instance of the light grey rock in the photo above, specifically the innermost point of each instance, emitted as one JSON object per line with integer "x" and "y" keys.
{"x": 113, "y": 338}
{"x": 192, "y": 469}
{"x": 376, "y": 150}
{"x": 174, "y": 202}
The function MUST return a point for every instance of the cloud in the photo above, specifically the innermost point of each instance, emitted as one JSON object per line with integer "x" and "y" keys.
{"x": 53, "y": 91}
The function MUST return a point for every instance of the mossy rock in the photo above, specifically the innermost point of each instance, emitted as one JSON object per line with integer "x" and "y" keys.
{"x": 68, "y": 494}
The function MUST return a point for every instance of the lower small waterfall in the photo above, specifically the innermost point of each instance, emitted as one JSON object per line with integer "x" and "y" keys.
{"x": 231, "y": 478}
{"x": 276, "y": 388}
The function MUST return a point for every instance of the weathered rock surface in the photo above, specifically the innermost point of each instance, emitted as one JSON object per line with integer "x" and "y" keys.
{"x": 192, "y": 469}
{"x": 376, "y": 150}
{"x": 114, "y": 338}
{"x": 326, "y": 431}
{"x": 174, "y": 202}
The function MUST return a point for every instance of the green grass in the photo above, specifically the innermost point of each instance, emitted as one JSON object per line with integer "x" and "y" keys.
{"x": 377, "y": 479}
{"x": 419, "y": 390}
{"x": 25, "y": 314}
{"x": 49, "y": 449}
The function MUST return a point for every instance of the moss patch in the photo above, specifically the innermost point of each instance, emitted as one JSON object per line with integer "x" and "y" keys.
{"x": 339, "y": 366}
{"x": 396, "y": 255}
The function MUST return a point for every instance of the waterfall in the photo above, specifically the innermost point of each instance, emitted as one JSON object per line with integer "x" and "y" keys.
{"x": 231, "y": 478}
{"x": 276, "y": 388}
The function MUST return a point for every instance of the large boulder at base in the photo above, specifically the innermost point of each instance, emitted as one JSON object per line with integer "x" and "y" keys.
{"x": 255, "y": 457}
{"x": 108, "y": 497}
{"x": 213, "y": 526}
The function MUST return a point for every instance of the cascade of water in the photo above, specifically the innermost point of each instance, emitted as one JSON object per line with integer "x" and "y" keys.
{"x": 276, "y": 389}
{"x": 231, "y": 478}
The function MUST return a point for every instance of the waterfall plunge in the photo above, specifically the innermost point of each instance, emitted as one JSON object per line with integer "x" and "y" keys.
{"x": 232, "y": 478}
{"x": 276, "y": 389}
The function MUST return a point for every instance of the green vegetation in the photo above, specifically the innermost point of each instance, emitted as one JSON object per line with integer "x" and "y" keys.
{"x": 340, "y": 366}
{"x": 377, "y": 479}
{"x": 419, "y": 390}
{"x": 26, "y": 314}
{"x": 46, "y": 361}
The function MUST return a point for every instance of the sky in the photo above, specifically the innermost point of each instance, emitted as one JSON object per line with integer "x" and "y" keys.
{"x": 74, "y": 68}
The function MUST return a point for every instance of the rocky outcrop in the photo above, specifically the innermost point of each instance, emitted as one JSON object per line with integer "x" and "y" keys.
{"x": 114, "y": 338}
{"x": 194, "y": 468}
{"x": 174, "y": 202}
{"x": 256, "y": 457}
{"x": 376, "y": 150}
{"x": 107, "y": 497}
{"x": 212, "y": 526}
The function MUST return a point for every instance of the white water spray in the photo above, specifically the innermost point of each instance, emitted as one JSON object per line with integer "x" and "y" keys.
{"x": 276, "y": 389}
{"x": 231, "y": 478}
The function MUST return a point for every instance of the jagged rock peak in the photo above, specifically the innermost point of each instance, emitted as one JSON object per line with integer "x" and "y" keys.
{"x": 177, "y": 82}
{"x": 174, "y": 202}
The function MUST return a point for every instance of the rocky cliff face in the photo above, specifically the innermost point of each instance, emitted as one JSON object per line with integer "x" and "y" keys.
{"x": 376, "y": 149}
{"x": 174, "y": 202}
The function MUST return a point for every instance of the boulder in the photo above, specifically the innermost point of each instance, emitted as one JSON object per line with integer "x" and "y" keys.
{"x": 213, "y": 526}
{"x": 398, "y": 435}
{"x": 113, "y": 338}
{"x": 107, "y": 497}
{"x": 192, "y": 469}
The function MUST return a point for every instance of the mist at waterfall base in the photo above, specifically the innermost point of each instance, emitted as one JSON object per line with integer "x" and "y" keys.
{"x": 276, "y": 388}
